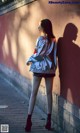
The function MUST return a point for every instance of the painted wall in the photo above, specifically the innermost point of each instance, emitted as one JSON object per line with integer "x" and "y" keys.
{"x": 18, "y": 33}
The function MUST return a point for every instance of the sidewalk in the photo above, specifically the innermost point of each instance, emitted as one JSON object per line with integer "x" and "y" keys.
{"x": 14, "y": 107}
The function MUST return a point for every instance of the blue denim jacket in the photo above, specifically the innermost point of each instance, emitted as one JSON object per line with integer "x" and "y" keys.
{"x": 41, "y": 63}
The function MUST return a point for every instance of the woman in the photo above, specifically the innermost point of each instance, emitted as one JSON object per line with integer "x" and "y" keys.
{"x": 43, "y": 64}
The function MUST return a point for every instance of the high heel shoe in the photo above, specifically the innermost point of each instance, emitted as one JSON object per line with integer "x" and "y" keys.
{"x": 48, "y": 123}
{"x": 28, "y": 124}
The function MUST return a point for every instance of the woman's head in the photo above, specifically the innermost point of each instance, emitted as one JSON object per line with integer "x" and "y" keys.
{"x": 45, "y": 26}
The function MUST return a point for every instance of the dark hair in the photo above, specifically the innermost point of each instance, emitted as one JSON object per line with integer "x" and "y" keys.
{"x": 47, "y": 27}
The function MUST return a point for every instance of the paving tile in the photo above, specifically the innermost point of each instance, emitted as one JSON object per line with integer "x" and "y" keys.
{"x": 13, "y": 110}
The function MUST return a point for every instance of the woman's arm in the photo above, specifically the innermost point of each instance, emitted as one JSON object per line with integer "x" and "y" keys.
{"x": 41, "y": 46}
{"x": 39, "y": 50}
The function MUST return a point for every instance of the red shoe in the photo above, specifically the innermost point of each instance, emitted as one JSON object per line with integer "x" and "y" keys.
{"x": 28, "y": 124}
{"x": 48, "y": 125}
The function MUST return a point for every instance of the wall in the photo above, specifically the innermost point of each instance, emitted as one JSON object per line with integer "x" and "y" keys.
{"x": 18, "y": 33}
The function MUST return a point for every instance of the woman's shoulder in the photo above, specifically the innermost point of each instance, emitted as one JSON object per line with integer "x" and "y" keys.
{"x": 54, "y": 39}
{"x": 41, "y": 41}
{"x": 40, "y": 38}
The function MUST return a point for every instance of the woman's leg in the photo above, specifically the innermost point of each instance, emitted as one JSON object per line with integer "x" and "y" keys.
{"x": 49, "y": 84}
{"x": 35, "y": 85}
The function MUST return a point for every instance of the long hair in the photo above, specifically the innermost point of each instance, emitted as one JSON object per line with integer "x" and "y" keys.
{"x": 47, "y": 27}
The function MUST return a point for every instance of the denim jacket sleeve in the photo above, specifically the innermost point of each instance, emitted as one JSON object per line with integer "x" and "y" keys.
{"x": 41, "y": 46}
{"x": 40, "y": 49}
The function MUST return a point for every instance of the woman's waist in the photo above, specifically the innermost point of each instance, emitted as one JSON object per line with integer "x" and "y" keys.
{"x": 40, "y": 70}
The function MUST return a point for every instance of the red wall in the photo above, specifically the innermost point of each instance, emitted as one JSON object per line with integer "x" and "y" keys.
{"x": 18, "y": 33}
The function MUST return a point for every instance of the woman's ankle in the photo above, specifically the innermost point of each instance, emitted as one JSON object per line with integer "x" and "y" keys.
{"x": 29, "y": 116}
{"x": 49, "y": 116}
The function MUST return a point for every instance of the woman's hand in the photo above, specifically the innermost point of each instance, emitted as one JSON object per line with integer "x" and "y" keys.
{"x": 28, "y": 63}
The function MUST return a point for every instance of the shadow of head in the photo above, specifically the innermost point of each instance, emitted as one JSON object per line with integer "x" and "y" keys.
{"x": 70, "y": 32}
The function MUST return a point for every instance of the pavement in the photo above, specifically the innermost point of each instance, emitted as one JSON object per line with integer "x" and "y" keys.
{"x": 14, "y": 108}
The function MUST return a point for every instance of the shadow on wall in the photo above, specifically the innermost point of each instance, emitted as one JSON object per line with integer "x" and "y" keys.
{"x": 69, "y": 64}
{"x": 10, "y": 26}
{"x": 6, "y": 56}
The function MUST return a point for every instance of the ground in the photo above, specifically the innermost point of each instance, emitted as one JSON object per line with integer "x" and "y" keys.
{"x": 14, "y": 107}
